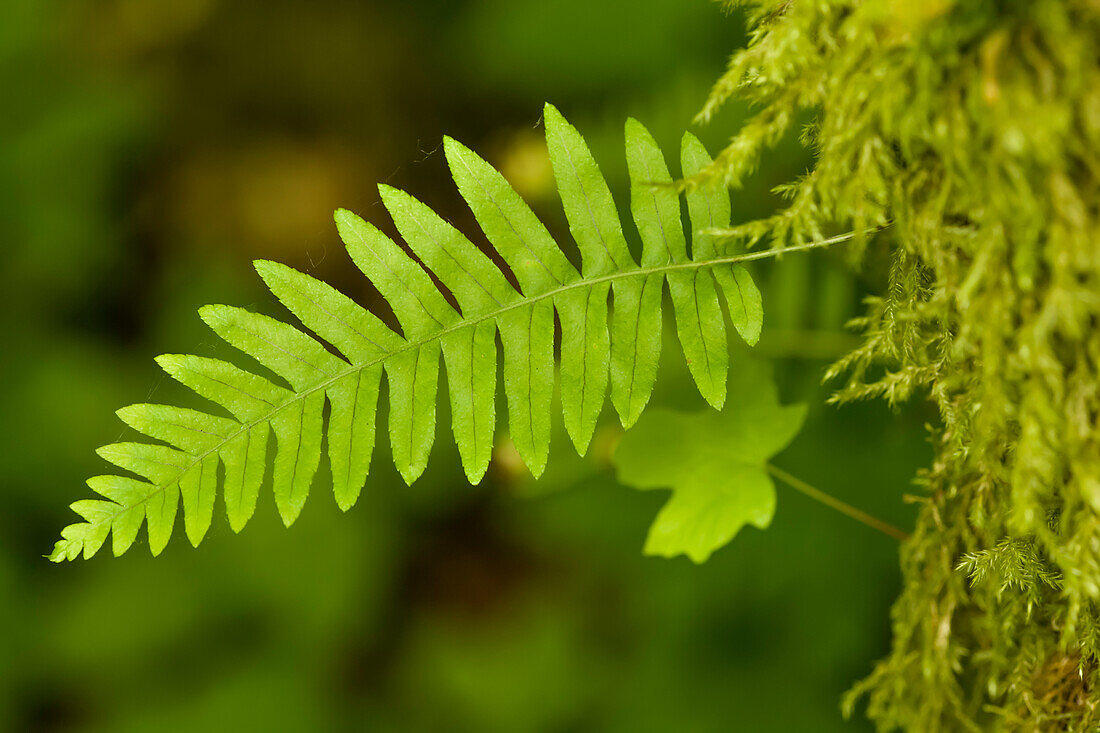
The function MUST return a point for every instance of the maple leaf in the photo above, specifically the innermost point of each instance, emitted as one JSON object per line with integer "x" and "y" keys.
{"x": 714, "y": 462}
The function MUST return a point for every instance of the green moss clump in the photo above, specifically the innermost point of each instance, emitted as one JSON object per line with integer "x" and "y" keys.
{"x": 972, "y": 129}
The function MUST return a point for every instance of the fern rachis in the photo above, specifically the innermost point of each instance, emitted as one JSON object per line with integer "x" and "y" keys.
{"x": 594, "y": 353}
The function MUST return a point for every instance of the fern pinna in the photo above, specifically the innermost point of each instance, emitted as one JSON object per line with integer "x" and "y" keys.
{"x": 185, "y": 465}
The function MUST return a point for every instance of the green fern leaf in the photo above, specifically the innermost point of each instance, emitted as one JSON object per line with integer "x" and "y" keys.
{"x": 597, "y": 352}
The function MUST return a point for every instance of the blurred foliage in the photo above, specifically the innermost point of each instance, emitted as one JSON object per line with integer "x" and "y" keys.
{"x": 151, "y": 151}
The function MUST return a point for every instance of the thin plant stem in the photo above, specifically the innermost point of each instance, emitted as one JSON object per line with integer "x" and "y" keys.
{"x": 833, "y": 503}
{"x": 410, "y": 345}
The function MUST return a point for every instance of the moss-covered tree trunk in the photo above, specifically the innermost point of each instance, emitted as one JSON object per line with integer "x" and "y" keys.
{"x": 971, "y": 131}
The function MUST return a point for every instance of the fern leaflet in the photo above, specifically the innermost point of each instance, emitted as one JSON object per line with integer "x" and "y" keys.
{"x": 196, "y": 446}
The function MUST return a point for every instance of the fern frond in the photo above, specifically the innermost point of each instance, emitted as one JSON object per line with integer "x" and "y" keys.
{"x": 595, "y": 354}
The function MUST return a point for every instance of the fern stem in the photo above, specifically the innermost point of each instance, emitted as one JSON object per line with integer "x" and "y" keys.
{"x": 467, "y": 322}
{"x": 833, "y": 503}
{"x": 765, "y": 253}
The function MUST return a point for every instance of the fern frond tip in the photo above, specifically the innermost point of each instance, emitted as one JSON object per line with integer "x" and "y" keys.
{"x": 551, "y": 116}
{"x": 266, "y": 268}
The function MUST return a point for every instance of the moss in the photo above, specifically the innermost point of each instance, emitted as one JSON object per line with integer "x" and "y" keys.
{"x": 972, "y": 131}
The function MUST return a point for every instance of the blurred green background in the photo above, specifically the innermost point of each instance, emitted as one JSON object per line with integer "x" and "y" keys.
{"x": 150, "y": 150}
